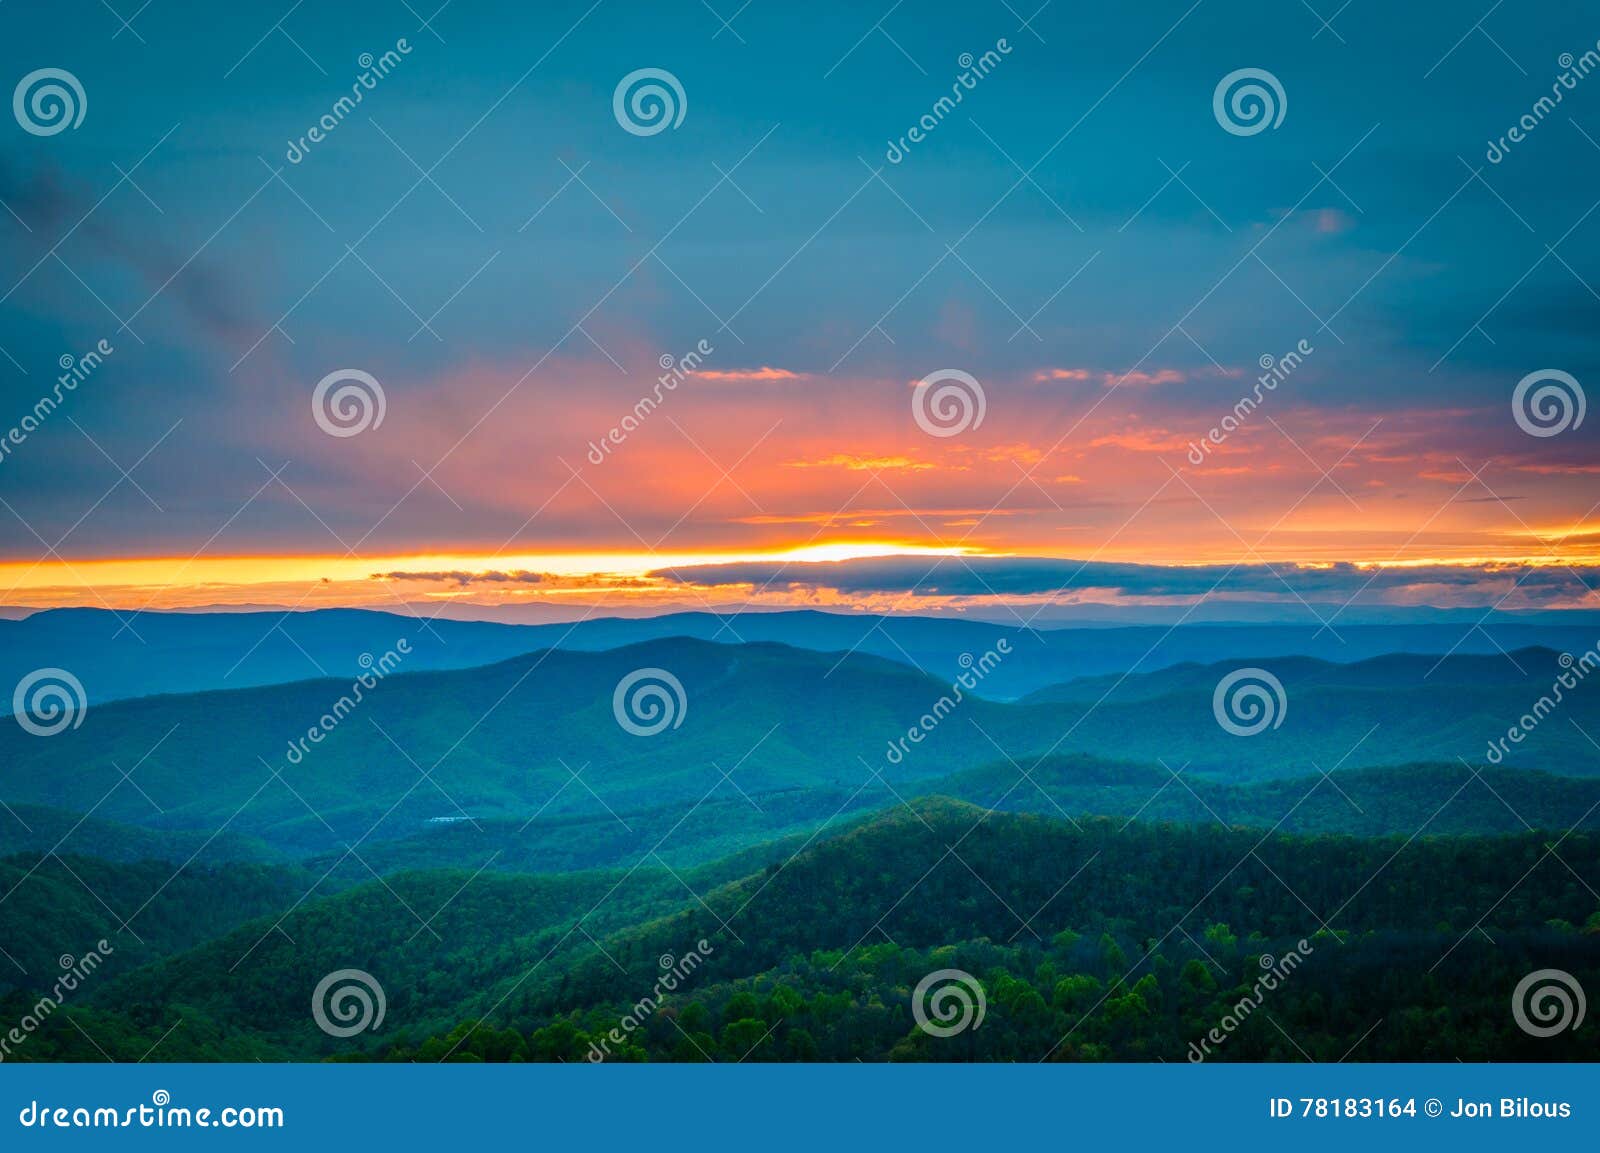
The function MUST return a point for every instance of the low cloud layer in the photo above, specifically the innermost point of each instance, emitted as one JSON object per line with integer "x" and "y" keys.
{"x": 462, "y": 578}
{"x": 1524, "y": 585}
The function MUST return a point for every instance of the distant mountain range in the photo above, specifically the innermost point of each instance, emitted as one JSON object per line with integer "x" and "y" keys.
{"x": 537, "y": 739}
{"x": 509, "y": 846}
{"x": 121, "y": 656}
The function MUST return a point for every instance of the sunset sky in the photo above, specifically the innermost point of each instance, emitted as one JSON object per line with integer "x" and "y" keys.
{"x": 1079, "y": 235}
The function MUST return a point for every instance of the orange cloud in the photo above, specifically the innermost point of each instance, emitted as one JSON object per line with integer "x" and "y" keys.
{"x": 1151, "y": 440}
{"x": 1161, "y": 376}
{"x": 864, "y": 463}
{"x": 1559, "y": 469}
{"x": 763, "y": 373}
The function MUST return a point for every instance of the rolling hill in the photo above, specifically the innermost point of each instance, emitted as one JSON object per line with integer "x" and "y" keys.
{"x": 818, "y": 952}
{"x": 193, "y": 651}
{"x": 534, "y": 741}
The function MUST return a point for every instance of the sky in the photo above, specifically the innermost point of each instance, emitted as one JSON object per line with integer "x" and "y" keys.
{"x": 823, "y": 334}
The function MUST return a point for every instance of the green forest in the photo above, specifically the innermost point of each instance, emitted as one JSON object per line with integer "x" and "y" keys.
{"x": 1110, "y": 874}
{"x": 1093, "y": 940}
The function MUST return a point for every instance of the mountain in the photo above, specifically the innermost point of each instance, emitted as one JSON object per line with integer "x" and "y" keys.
{"x": 779, "y": 737}
{"x": 512, "y": 849}
{"x": 1525, "y": 667}
{"x": 56, "y": 907}
{"x": 28, "y": 829}
{"x": 1395, "y": 709}
{"x": 173, "y": 652}
{"x": 527, "y": 739}
{"x": 161, "y": 652}
{"x": 1436, "y": 800}
{"x": 1111, "y": 941}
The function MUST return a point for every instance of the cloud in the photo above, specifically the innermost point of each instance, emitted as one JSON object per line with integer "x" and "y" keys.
{"x": 864, "y": 463}
{"x": 1332, "y": 221}
{"x": 1113, "y": 379}
{"x": 56, "y": 204}
{"x": 1559, "y": 469}
{"x": 874, "y": 515}
{"x": 1048, "y": 576}
{"x": 1160, "y": 376}
{"x": 1142, "y": 440}
{"x": 764, "y": 373}
{"x": 462, "y": 579}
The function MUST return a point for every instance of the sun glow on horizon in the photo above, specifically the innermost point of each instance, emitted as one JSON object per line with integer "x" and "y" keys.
{"x": 637, "y": 577}
{"x": 189, "y": 581}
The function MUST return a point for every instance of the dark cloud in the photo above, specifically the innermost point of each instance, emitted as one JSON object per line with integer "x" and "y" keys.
{"x": 1035, "y": 576}
{"x": 462, "y": 579}
{"x": 52, "y": 204}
